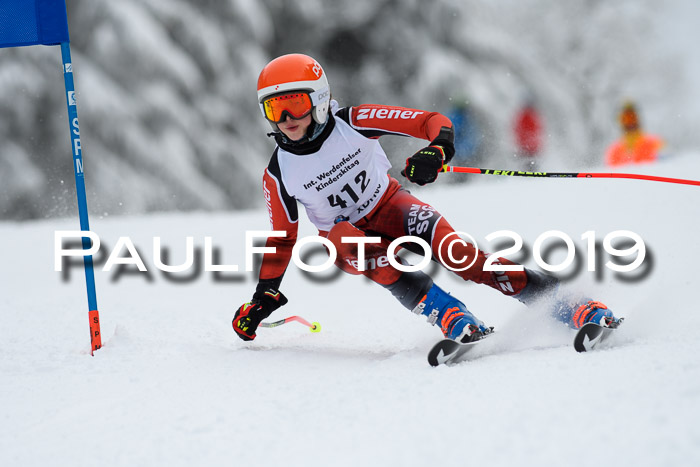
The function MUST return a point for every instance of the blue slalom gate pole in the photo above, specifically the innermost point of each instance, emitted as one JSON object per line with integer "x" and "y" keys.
{"x": 93, "y": 314}
{"x": 45, "y": 22}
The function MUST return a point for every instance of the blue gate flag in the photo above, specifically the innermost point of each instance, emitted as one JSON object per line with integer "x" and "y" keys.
{"x": 33, "y": 22}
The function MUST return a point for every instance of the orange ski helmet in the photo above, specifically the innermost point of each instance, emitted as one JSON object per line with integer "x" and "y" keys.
{"x": 295, "y": 72}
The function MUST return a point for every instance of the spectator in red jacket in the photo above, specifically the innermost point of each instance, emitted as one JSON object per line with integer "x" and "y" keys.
{"x": 527, "y": 128}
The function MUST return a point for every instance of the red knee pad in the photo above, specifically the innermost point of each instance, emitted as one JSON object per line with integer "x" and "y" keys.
{"x": 508, "y": 283}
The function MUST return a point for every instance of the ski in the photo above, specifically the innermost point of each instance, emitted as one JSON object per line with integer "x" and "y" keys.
{"x": 591, "y": 335}
{"x": 449, "y": 352}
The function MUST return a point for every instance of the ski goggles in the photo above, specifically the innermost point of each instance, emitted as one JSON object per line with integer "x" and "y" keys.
{"x": 296, "y": 104}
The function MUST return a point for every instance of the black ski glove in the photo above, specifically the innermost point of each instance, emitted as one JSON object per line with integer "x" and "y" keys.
{"x": 249, "y": 315}
{"x": 423, "y": 167}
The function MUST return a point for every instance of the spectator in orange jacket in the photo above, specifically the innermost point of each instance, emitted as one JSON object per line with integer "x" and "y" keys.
{"x": 635, "y": 146}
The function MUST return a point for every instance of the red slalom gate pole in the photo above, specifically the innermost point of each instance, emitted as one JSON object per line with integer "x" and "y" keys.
{"x": 519, "y": 173}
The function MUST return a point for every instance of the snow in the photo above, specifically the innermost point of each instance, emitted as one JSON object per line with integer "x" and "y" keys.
{"x": 174, "y": 386}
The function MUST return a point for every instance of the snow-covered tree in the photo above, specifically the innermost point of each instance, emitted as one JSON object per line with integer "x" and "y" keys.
{"x": 166, "y": 88}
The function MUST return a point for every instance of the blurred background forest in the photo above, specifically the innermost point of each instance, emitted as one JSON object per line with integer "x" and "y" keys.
{"x": 168, "y": 111}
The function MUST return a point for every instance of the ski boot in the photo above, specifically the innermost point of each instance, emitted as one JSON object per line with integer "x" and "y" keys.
{"x": 580, "y": 312}
{"x": 457, "y": 323}
{"x": 595, "y": 312}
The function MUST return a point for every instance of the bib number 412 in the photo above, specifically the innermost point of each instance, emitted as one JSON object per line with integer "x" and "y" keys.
{"x": 361, "y": 181}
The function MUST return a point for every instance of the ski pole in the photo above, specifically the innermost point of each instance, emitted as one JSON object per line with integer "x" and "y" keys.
{"x": 519, "y": 173}
{"x": 313, "y": 327}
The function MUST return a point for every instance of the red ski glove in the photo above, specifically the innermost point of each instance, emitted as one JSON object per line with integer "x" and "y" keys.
{"x": 249, "y": 315}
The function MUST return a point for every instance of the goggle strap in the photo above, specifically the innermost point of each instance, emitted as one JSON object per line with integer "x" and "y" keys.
{"x": 320, "y": 96}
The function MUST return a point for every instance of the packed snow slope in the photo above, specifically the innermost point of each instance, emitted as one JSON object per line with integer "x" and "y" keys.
{"x": 174, "y": 386}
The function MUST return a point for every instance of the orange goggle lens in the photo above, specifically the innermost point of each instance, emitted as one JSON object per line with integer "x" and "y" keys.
{"x": 296, "y": 105}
